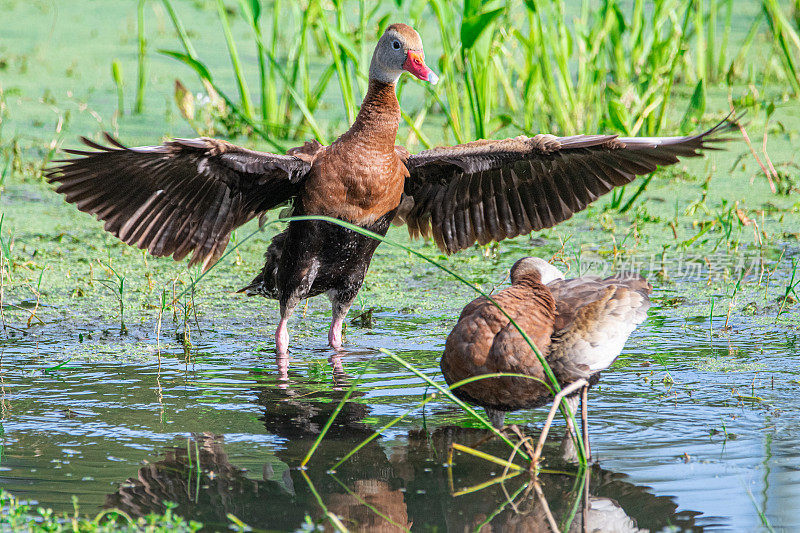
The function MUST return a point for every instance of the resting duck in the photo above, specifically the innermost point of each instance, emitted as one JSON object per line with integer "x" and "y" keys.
{"x": 579, "y": 325}
{"x": 188, "y": 195}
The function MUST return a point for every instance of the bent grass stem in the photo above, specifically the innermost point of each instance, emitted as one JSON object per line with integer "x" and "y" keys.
{"x": 333, "y": 416}
{"x": 334, "y": 520}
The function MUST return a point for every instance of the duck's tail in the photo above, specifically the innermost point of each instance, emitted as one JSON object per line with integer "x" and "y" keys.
{"x": 266, "y": 283}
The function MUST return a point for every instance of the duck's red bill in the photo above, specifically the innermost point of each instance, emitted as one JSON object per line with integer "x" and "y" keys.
{"x": 415, "y": 64}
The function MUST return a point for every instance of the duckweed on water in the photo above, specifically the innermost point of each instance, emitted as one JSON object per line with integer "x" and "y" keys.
{"x": 717, "y": 364}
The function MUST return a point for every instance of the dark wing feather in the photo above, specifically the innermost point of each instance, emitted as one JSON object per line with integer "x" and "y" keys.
{"x": 486, "y": 191}
{"x": 185, "y": 196}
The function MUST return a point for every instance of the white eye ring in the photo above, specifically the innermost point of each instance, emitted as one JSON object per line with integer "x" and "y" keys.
{"x": 396, "y": 45}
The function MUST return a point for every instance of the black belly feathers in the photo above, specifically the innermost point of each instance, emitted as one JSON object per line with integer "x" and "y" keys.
{"x": 342, "y": 254}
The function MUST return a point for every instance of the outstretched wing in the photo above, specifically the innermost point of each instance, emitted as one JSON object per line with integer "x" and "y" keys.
{"x": 491, "y": 190}
{"x": 184, "y": 196}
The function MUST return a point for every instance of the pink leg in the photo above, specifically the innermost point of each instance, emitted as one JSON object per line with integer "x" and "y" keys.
{"x": 569, "y": 389}
{"x": 282, "y": 362}
{"x": 339, "y": 376}
{"x": 282, "y": 337}
{"x": 335, "y": 333}
{"x": 585, "y": 421}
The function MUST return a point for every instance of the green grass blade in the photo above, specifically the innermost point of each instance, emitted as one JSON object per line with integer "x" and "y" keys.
{"x": 341, "y": 71}
{"x": 450, "y": 63}
{"x": 502, "y": 506}
{"x": 299, "y": 101}
{"x": 642, "y": 186}
{"x": 723, "y": 52}
{"x": 695, "y": 109}
{"x": 333, "y": 416}
{"x": 244, "y": 93}
{"x": 701, "y": 54}
{"x": 434, "y": 396}
{"x": 677, "y": 54}
{"x": 270, "y": 101}
{"x": 377, "y": 433}
{"x": 195, "y": 64}
{"x": 414, "y": 127}
{"x": 141, "y": 76}
{"x": 4, "y": 245}
{"x": 180, "y": 30}
{"x": 485, "y": 456}
{"x": 786, "y": 39}
{"x": 204, "y": 74}
{"x": 452, "y": 397}
{"x": 332, "y": 518}
{"x": 116, "y": 74}
{"x": 252, "y": 11}
{"x": 577, "y": 489}
{"x": 474, "y": 26}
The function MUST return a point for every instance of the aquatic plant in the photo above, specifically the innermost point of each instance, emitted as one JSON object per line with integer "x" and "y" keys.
{"x": 141, "y": 76}
{"x": 787, "y": 41}
{"x": 790, "y": 294}
{"x": 17, "y": 515}
{"x": 524, "y": 67}
{"x": 116, "y": 75}
{"x": 116, "y": 285}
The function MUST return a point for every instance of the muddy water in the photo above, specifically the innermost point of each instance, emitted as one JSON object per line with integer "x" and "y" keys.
{"x": 690, "y": 430}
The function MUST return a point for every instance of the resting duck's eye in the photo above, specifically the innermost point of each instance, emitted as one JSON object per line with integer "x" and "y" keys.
{"x": 396, "y": 45}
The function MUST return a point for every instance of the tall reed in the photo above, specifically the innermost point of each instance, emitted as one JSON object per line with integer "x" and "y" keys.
{"x": 141, "y": 80}
{"x": 786, "y": 38}
{"x": 520, "y": 67}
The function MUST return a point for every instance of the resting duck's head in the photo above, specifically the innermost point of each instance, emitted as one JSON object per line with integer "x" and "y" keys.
{"x": 531, "y": 266}
{"x": 399, "y": 49}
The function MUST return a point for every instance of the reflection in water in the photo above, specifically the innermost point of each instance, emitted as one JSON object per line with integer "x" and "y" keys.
{"x": 382, "y": 487}
{"x": 84, "y": 427}
{"x": 282, "y": 367}
{"x": 214, "y": 489}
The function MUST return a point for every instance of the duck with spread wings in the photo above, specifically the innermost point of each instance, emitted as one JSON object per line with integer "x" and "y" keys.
{"x": 188, "y": 195}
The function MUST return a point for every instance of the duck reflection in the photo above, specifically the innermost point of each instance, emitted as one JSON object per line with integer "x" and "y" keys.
{"x": 383, "y": 487}
{"x": 201, "y": 480}
{"x": 298, "y": 415}
{"x": 599, "y": 500}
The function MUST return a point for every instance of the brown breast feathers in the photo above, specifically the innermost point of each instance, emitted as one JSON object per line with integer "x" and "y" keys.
{"x": 360, "y": 177}
{"x": 485, "y": 342}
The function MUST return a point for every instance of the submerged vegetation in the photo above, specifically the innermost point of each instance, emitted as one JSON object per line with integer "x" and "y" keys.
{"x": 719, "y": 237}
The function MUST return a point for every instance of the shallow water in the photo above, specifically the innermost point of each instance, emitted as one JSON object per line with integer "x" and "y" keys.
{"x": 703, "y": 452}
